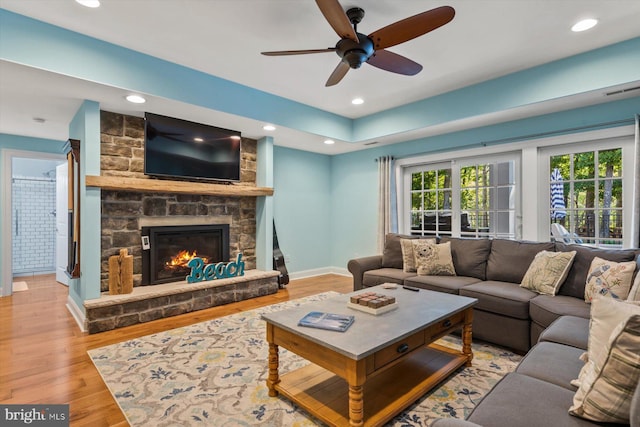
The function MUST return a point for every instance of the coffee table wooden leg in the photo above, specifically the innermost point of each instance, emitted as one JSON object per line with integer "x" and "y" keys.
{"x": 355, "y": 406}
{"x": 273, "y": 378}
{"x": 466, "y": 336}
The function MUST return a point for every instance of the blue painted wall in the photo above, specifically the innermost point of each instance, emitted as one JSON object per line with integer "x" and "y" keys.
{"x": 354, "y": 176}
{"x": 303, "y": 207}
{"x": 85, "y": 127}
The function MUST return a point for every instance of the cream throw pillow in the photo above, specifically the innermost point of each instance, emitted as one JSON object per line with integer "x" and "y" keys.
{"x": 634, "y": 293}
{"x": 609, "y": 279}
{"x": 408, "y": 256}
{"x": 611, "y": 374}
{"x": 433, "y": 259}
{"x": 547, "y": 271}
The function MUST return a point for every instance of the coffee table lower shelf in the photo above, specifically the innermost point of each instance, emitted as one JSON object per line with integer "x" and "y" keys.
{"x": 325, "y": 395}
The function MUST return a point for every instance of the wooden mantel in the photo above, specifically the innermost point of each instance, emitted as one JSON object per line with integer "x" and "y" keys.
{"x": 182, "y": 187}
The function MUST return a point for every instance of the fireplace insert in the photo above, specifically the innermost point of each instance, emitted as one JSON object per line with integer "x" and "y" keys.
{"x": 167, "y": 250}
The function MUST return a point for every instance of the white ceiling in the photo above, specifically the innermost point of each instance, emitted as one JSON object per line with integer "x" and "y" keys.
{"x": 485, "y": 40}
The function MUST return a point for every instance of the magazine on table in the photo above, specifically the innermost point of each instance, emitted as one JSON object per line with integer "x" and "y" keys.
{"x": 329, "y": 321}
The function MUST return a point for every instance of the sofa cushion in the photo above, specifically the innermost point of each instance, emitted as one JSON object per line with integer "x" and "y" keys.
{"x": 634, "y": 293}
{"x": 547, "y": 272}
{"x": 554, "y": 363}
{"x": 448, "y": 284}
{"x": 433, "y": 259}
{"x": 607, "y": 384}
{"x": 544, "y": 309}
{"x": 469, "y": 256}
{"x": 577, "y": 277}
{"x": 509, "y": 259}
{"x": 384, "y": 275}
{"x": 523, "y": 401}
{"x": 392, "y": 252}
{"x": 568, "y": 330}
{"x": 504, "y": 298}
{"x": 609, "y": 279}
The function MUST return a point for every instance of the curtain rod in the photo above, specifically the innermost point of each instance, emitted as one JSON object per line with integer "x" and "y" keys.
{"x": 556, "y": 132}
{"x": 390, "y": 158}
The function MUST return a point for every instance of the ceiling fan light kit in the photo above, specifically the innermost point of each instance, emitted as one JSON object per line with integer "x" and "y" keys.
{"x": 355, "y": 48}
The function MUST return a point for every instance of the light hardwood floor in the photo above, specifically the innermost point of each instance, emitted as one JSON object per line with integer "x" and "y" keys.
{"x": 43, "y": 353}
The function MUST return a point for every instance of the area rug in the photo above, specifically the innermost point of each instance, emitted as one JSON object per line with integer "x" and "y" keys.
{"x": 213, "y": 374}
{"x": 20, "y": 286}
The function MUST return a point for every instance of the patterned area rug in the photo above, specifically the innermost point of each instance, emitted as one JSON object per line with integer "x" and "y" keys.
{"x": 213, "y": 374}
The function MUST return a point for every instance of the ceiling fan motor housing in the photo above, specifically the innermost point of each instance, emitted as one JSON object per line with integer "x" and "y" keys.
{"x": 355, "y": 53}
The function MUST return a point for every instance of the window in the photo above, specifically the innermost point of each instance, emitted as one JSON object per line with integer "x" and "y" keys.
{"x": 487, "y": 200}
{"x": 505, "y": 190}
{"x": 431, "y": 209}
{"x": 474, "y": 197}
{"x": 586, "y": 186}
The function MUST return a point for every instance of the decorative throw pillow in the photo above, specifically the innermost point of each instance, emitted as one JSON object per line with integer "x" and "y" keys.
{"x": 609, "y": 378}
{"x": 408, "y": 256}
{"x": 634, "y": 293}
{"x": 433, "y": 259}
{"x": 609, "y": 279}
{"x": 547, "y": 271}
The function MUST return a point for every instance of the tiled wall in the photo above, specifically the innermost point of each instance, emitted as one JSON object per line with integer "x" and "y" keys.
{"x": 33, "y": 224}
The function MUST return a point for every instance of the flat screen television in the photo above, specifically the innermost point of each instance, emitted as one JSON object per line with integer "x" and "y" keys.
{"x": 182, "y": 149}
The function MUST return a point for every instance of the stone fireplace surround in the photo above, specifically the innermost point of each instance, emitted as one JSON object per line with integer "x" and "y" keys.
{"x": 125, "y": 212}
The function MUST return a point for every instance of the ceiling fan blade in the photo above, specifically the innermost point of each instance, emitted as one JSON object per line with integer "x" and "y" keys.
{"x": 412, "y": 27}
{"x": 393, "y": 62}
{"x": 338, "y": 74}
{"x": 334, "y": 14}
{"x": 298, "y": 52}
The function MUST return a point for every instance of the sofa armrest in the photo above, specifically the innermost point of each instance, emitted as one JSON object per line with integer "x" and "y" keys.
{"x": 357, "y": 267}
{"x": 453, "y": 422}
{"x": 635, "y": 407}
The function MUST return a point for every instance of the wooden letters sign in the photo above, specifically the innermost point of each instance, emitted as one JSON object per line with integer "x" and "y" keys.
{"x": 201, "y": 272}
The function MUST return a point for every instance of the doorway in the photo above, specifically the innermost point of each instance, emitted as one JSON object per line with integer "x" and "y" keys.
{"x": 29, "y": 217}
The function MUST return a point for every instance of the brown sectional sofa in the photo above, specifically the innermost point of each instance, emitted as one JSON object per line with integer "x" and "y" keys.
{"x": 539, "y": 392}
{"x": 491, "y": 271}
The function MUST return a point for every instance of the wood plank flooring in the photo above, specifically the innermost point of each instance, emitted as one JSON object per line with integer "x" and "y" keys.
{"x": 43, "y": 353}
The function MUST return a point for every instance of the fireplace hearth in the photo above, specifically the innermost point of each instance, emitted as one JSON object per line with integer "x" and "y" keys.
{"x": 166, "y": 250}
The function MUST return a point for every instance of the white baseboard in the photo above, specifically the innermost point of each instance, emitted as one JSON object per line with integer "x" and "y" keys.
{"x": 77, "y": 313}
{"x": 319, "y": 272}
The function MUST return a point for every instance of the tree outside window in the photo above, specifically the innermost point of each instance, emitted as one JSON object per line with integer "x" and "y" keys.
{"x": 592, "y": 191}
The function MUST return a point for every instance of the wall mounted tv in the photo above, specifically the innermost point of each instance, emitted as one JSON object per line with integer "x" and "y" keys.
{"x": 183, "y": 149}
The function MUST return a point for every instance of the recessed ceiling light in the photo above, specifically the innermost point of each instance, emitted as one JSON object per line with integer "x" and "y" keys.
{"x": 357, "y": 101}
{"x": 39, "y": 120}
{"x": 269, "y": 127}
{"x": 584, "y": 25}
{"x": 136, "y": 99}
{"x": 329, "y": 141}
{"x": 89, "y": 3}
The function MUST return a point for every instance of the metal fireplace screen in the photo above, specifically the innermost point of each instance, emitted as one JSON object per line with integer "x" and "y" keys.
{"x": 171, "y": 248}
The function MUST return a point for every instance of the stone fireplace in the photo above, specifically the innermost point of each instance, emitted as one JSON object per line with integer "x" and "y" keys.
{"x": 124, "y": 213}
{"x": 130, "y": 211}
{"x": 166, "y": 251}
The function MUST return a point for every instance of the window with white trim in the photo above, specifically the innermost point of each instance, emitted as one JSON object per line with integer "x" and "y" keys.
{"x": 472, "y": 197}
{"x": 588, "y": 184}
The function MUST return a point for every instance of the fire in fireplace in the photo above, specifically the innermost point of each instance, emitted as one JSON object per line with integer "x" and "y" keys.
{"x": 170, "y": 248}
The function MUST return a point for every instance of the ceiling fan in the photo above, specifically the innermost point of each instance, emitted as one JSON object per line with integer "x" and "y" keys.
{"x": 355, "y": 48}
